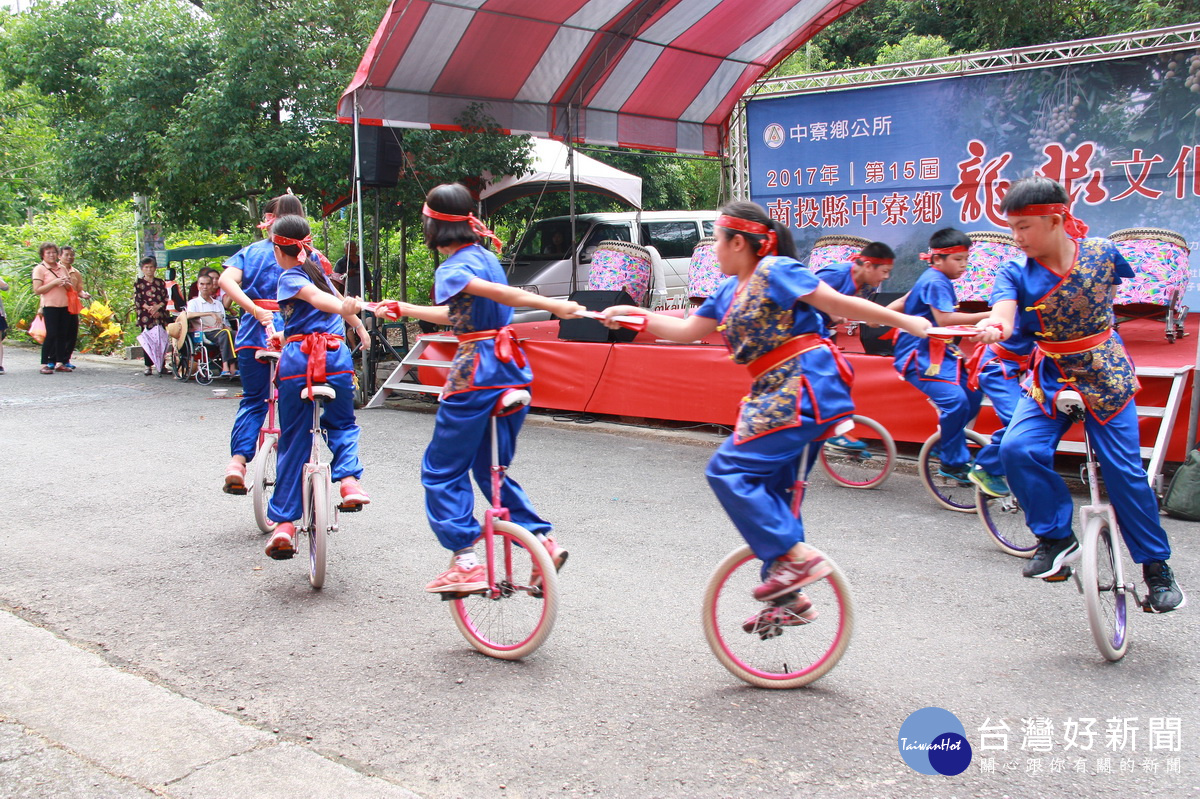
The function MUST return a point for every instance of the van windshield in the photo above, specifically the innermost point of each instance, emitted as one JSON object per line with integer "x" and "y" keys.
{"x": 548, "y": 240}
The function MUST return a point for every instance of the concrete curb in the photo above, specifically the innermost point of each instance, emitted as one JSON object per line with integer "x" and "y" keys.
{"x": 98, "y": 725}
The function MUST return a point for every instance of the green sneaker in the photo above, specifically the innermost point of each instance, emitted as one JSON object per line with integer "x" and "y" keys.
{"x": 989, "y": 484}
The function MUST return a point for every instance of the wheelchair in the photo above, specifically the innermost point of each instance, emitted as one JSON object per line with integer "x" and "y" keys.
{"x": 198, "y": 358}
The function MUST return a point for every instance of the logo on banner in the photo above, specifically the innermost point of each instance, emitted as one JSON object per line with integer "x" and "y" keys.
{"x": 933, "y": 741}
{"x": 773, "y": 136}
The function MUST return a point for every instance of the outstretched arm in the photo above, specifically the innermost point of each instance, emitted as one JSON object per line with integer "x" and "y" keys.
{"x": 835, "y": 304}
{"x": 671, "y": 328}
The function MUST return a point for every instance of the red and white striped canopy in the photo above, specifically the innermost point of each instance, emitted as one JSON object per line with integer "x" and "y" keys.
{"x": 652, "y": 74}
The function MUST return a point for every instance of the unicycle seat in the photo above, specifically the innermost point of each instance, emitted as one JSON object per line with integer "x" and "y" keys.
{"x": 266, "y": 355}
{"x": 1069, "y": 402}
{"x": 512, "y": 401}
{"x": 320, "y": 391}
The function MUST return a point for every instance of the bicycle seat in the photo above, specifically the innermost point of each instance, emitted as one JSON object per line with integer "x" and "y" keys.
{"x": 319, "y": 391}
{"x": 267, "y": 355}
{"x": 512, "y": 401}
{"x": 1069, "y": 401}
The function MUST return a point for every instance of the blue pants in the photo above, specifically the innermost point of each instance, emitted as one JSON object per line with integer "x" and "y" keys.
{"x": 753, "y": 479}
{"x": 956, "y": 406}
{"x": 256, "y": 389}
{"x": 1028, "y": 455}
{"x": 295, "y": 442}
{"x": 1005, "y": 393}
{"x": 461, "y": 446}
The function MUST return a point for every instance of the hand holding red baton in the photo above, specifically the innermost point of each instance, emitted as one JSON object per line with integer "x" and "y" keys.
{"x": 388, "y": 309}
{"x": 629, "y": 322}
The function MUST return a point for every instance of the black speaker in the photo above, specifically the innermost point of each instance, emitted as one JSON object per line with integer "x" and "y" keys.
{"x": 590, "y": 329}
{"x": 380, "y": 156}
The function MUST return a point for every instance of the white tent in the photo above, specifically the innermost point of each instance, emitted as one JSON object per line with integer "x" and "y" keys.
{"x": 549, "y": 171}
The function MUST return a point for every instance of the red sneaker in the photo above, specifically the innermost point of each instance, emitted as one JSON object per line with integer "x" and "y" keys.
{"x": 282, "y": 545}
{"x": 787, "y": 575}
{"x": 353, "y": 497}
{"x": 235, "y": 478}
{"x": 793, "y": 612}
{"x": 558, "y": 556}
{"x": 457, "y": 580}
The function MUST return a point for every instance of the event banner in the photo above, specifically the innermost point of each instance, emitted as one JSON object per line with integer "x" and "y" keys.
{"x": 895, "y": 163}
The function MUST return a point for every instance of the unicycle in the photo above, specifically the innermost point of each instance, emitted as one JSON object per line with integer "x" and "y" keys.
{"x": 867, "y": 466}
{"x": 1101, "y": 577}
{"x": 511, "y": 617}
{"x": 262, "y": 466}
{"x": 781, "y": 643}
{"x": 320, "y": 504}
{"x": 1004, "y": 522}
{"x": 949, "y": 493}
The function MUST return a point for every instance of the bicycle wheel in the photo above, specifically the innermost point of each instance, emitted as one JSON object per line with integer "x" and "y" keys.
{"x": 774, "y": 656}
{"x": 515, "y": 620}
{"x": 949, "y": 493}
{"x": 1104, "y": 596}
{"x": 1004, "y": 521}
{"x": 262, "y": 472}
{"x": 867, "y": 468}
{"x": 320, "y": 487}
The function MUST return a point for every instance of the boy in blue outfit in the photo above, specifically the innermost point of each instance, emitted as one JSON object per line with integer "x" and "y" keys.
{"x": 1062, "y": 294}
{"x": 935, "y": 365}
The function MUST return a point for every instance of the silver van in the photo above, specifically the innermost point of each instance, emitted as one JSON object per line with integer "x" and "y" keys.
{"x": 542, "y": 261}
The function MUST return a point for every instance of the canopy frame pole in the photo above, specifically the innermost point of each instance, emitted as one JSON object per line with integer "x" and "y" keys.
{"x": 574, "y": 284}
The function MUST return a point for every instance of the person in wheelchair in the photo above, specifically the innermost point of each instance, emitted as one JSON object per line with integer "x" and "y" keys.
{"x": 206, "y": 315}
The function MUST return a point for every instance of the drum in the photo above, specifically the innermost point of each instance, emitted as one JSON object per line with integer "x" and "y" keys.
{"x": 835, "y": 248}
{"x": 1160, "y": 264}
{"x": 704, "y": 274}
{"x": 989, "y": 249}
{"x": 620, "y": 265}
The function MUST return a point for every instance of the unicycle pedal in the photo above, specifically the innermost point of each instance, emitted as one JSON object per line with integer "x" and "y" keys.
{"x": 1062, "y": 575}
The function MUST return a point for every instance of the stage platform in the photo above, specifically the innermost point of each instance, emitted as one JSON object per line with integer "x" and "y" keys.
{"x": 649, "y": 378}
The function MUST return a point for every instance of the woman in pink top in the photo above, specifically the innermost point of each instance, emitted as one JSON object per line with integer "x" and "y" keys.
{"x": 58, "y": 286}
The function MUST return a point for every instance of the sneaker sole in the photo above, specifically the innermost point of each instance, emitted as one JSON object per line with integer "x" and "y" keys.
{"x": 458, "y": 588}
{"x": 282, "y": 553}
{"x": 1066, "y": 556}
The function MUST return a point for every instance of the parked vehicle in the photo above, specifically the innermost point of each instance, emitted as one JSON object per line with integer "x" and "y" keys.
{"x": 541, "y": 262}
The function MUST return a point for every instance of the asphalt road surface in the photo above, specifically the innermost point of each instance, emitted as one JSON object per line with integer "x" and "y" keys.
{"x": 118, "y": 541}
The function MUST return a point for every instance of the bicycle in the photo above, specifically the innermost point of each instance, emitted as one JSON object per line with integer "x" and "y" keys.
{"x": 262, "y": 466}
{"x": 756, "y": 641}
{"x": 512, "y": 616}
{"x": 860, "y": 468}
{"x": 1102, "y": 582}
{"x": 320, "y": 516}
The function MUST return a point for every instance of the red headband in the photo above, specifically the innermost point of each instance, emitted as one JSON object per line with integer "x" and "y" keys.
{"x": 876, "y": 261}
{"x": 928, "y": 256}
{"x": 305, "y": 244}
{"x": 1074, "y": 227}
{"x": 769, "y": 245}
{"x": 268, "y": 220}
{"x": 477, "y": 227}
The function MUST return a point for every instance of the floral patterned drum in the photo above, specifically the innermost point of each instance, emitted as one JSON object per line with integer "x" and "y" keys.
{"x": 989, "y": 249}
{"x": 618, "y": 265}
{"x": 704, "y": 275}
{"x": 835, "y": 249}
{"x": 1160, "y": 264}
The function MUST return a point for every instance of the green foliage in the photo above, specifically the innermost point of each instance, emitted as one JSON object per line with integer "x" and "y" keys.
{"x": 27, "y": 142}
{"x": 913, "y": 47}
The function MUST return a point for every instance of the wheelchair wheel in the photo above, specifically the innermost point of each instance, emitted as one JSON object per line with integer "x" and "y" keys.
{"x": 204, "y": 372}
{"x": 178, "y": 364}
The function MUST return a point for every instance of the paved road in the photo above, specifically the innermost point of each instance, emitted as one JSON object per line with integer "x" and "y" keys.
{"x": 149, "y": 648}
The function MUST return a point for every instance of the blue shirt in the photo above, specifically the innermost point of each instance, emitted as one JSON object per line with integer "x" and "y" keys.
{"x": 260, "y": 277}
{"x": 840, "y": 277}
{"x": 300, "y": 318}
{"x": 932, "y": 291}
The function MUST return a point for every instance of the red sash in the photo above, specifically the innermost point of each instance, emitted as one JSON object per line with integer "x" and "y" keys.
{"x": 507, "y": 348}
{"x": 975, "y": 363}
{"x": 794, "y": 347}
{"x": 315, "y": 346}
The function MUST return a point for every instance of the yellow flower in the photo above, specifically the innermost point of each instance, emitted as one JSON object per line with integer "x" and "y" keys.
{"x": 113, "y": 329}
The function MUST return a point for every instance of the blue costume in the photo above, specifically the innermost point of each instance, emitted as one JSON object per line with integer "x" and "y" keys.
{"x": 312, "y": 338}
{"x": 1071, "y": 317}
{"x": 260, "y": 277}
{"x": 840, "y": 277}
{"x": 998, "y": 374}
{"x": 801, "y": 389}
{"x": 935, "y": 367}
{"x": 488, "y": 362}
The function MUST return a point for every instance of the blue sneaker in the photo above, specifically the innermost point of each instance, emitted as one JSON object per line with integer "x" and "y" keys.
{"x": 990, "y": 484}
{"x": 847, "y": 443}
{"x": 956, "y": 473}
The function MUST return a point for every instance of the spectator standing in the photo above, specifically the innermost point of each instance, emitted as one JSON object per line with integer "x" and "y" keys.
{"x": 353, "y": 272}
{"x": 150, "y": 302}
{"x": 58, "y": 286}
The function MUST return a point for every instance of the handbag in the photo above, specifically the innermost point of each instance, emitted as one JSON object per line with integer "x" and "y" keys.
{"x": 1182, "y": 500}
{"x": 74, "y": 306}
{"x": 37, "y": 329}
